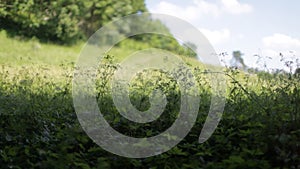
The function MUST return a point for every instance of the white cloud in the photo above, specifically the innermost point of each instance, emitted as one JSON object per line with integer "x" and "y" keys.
{"x": 189, "y": 13}
{"x": 216, "y": 37}
{"x": 235, "y": 7}
{"x": 240, "y": 36}
{"x": 207, "y": 8}
{"x": 200, "y": 8}
{"x": 281, "y": 42}
{"x": 277, "y": 44}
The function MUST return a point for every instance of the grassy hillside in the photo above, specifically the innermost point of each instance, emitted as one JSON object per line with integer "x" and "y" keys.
{"x": 260, "y": 127}
{"x": 18, "y": 51}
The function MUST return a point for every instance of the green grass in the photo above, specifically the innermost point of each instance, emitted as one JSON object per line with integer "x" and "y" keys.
{"x": 25, "y": 52}
{"x": 19, "y": 52}
{"x": 39, "y": 128}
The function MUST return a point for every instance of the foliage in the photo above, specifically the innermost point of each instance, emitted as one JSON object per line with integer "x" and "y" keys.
{"x": 237, "y": 60}
{"x": 68, "y": 22}
{"x": 61, "y": 20}
{"x": 39, "y": 129}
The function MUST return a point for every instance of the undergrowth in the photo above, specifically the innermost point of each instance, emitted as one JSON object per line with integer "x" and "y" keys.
{"x": 260, "y": 127}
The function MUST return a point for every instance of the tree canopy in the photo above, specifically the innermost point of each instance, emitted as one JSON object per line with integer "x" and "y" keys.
{"x": 63, "y": 21}
{"x": 67, "y": 21}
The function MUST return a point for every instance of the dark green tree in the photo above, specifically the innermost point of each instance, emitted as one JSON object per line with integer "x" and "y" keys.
{"x": 237, "y": 60}
{"x": 62, "y": 20}
{"x": 190, "y": 49}
{"x": 297, "y": 72}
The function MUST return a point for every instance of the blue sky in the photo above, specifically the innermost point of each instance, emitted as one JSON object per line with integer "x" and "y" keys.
{"x": 266, "y": 27}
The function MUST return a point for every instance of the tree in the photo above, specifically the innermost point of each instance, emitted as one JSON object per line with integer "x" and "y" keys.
{"x": 67, "y": 21}
{"x": 297, "y": 72}
{"x": 237, "y": 60}
{"x": 62, "y": 21}
{"x": 190, "y": 49}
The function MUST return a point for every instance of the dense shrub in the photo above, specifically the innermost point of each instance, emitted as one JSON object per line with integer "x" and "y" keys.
{"x": 39, "y": 129}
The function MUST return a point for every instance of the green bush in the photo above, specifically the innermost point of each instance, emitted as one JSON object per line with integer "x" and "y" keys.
{"x": 39, "y": 128}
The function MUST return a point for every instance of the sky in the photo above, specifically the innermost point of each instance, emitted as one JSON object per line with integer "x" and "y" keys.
{"x": 266, "y": 28}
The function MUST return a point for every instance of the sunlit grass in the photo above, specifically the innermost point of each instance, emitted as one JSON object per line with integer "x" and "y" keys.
{"x": 19, "y": 52}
